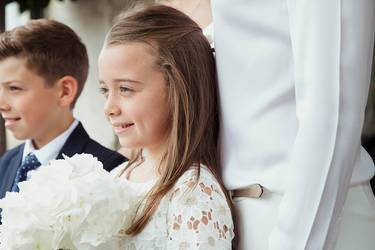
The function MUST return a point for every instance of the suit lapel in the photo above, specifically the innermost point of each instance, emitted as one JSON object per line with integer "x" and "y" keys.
{"x": 11, "y": 171}
{"x": 75, "y": 143}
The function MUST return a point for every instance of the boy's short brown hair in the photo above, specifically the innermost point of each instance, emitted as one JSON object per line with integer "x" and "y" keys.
{"x": 52, "y": 50}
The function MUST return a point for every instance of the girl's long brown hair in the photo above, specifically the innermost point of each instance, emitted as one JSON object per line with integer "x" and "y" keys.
{"x": 186, "y": 59}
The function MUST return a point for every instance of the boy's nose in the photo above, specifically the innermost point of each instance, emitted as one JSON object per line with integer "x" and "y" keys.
{"x": 3, "y": 104}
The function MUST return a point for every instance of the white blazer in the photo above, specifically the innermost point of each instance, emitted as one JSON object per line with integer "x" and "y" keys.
{"x": 293, "y": 79}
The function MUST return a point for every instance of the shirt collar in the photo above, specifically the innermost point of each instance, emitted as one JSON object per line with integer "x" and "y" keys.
{"x": 51, "y": 150}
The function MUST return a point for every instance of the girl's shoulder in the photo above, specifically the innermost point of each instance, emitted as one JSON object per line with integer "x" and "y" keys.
{"x": 205, "y": 184}
{"x": 192, "y": 175}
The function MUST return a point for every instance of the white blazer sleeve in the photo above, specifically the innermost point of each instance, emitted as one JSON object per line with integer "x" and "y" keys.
{"x": 332, "y": 42}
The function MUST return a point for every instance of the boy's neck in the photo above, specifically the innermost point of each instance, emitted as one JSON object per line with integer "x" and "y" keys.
{"x": 58, "y": 128}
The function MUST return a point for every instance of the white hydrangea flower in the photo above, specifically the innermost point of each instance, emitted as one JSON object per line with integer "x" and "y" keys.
{"x": 70, "y": 204}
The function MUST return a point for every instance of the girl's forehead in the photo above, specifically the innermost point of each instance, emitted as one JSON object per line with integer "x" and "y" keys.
{"x": 128, "y": 61}
{"x": 148, "y": 47}
{"x": 129, "y": 54}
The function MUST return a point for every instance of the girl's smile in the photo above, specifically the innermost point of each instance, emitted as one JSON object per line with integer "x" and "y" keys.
{"x": 122, "y": 128}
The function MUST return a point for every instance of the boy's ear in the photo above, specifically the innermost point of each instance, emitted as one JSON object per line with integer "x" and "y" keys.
{"x": 68, "y": 86}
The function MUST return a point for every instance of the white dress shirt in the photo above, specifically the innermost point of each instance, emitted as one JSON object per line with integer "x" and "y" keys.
{"x": 293, "y": 80}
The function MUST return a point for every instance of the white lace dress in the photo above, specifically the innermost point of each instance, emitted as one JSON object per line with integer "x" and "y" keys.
{"x": 187, "y": 218}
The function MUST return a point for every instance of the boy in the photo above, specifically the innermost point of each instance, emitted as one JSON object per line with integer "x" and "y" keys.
{"x": 43, "y": 68}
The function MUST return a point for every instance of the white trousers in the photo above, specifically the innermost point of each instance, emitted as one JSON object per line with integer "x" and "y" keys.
{"x": 255, "y": 218}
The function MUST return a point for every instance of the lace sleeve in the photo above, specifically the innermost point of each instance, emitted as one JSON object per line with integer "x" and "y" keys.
{"x": 199, "y": 216}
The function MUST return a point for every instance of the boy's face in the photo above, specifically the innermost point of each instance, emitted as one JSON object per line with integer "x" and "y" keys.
{"x": 29, "y": 107}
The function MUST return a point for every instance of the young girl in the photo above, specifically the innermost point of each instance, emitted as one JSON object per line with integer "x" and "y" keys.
{"x": 158, "y": 75}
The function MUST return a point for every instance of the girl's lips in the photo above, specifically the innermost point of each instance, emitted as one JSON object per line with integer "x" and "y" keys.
{"x": 9, "y": 122}
{"x": 122, "y": 128}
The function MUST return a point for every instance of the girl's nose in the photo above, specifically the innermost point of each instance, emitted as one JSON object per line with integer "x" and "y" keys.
{"x": 111, "y": 108}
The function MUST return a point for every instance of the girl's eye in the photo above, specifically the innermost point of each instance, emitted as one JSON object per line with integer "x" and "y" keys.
{"x": 103, "y": 91}
{"x": 124, "y": 89}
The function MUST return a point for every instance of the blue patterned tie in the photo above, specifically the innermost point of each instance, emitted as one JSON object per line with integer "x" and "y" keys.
{"x": 30, "y": 163}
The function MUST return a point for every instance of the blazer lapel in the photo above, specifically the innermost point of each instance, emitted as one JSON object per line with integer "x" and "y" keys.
{"x": 10, "y": 172}
{"x": 75, "y": 143}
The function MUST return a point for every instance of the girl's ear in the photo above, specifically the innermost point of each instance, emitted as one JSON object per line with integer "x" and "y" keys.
{"x": 68, "y": 88}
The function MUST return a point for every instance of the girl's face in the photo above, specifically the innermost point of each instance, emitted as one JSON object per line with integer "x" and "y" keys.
{"x": 136, "y": 95}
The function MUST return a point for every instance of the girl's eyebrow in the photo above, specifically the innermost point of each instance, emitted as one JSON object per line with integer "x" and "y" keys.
{"x": 127, "y": 80}
{"x": 117, "y": 80}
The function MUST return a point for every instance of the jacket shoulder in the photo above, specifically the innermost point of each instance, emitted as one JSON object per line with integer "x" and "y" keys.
{"x": 10, "y": 154}
{"x": 108, "y": 157}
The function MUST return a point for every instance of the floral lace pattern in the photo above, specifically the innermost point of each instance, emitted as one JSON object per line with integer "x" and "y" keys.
{"x": 193, "y": 215}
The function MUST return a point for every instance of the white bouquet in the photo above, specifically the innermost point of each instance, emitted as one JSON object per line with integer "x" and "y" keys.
{"x": 69, "y": 204}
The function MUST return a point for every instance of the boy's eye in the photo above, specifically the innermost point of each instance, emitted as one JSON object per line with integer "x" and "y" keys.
{"x": 14, "y": 88}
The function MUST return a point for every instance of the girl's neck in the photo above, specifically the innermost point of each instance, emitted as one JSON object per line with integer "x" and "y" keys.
{"x": 144, "y": 171}
{"x": 147, "y": 168}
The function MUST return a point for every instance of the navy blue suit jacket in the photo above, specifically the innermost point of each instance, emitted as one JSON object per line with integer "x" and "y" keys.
{"x": 78, "y": 142}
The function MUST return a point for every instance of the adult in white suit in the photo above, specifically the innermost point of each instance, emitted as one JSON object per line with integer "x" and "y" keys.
{"x": 294, "y": 78}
